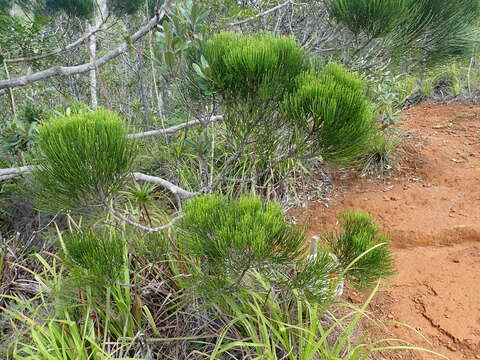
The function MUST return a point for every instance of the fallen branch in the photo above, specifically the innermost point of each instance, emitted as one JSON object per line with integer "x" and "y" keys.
{"x": 78, "y": 69}
{"x": 55, "y": 52}
{"x": 278, "y": 7}
{"x": 174, "y": 189}
{"x": 176, "y": 128}
{"x": 10, "y": 173}
{"x": 133, "y": 223}
{"x": 16, "y": 171}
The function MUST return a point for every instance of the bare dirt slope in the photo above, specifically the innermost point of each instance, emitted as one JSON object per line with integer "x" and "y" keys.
{"x": 431, "y": 210}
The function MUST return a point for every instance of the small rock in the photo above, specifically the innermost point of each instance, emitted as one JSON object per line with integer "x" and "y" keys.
{"x": 451, "y": 347}
{"x": 457, "y": 261}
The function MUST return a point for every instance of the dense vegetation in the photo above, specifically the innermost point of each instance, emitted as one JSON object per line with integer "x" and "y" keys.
{"x": 146, "y": 173}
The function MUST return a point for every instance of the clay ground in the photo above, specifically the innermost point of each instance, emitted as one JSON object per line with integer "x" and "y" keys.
{"x": 431, "y": 210}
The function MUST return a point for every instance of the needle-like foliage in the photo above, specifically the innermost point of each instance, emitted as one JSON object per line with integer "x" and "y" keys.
{"x": 246, "y": 67}
{"x": 331, "y": 114}
{"x": 95, "y": 257}
{"x": 84, "y": 160}
{"x": 361, "y": 250}
{"x": 433, "y": 30}
{"x": 231, "y": 237}
{"x": 373, "y": 17}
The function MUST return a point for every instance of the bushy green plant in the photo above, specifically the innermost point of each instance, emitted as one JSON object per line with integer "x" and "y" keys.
{"x": 232, "y": 237}
{"x": 372, "y": 17}
{"x": 281, "y": 109}
{"x": 250, "y": 67}
{"x": 442, "y": 28}
{"x": 95, "y": 257}
{"x": 361, "y": 250}
{"x": 83, "y": 160}
{"x": 433, "y": 30}
{"x": 331, "y": 113}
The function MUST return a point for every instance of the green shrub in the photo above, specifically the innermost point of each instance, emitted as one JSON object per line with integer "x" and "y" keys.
{"x": 372, "y": 17}
{"x": 431, "y": 30}
{"x": 95, "y": 257}
{"x": 30, "y": 112}
{"x": 17, "y": 136}
{"x": 332, "y": 113}
{"x": 444, "y": 28}
{"x": 247, "y": 67}
{"x": 232, "y": 237}
{"x": 84, "y": 160}
{"x": 361, "y": 250}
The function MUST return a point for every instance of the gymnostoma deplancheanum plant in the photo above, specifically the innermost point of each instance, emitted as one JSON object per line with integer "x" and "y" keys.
{"x": 233, "y": 240}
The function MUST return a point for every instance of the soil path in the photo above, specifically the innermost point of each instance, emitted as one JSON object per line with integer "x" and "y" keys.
{"x": 431, "y": 210}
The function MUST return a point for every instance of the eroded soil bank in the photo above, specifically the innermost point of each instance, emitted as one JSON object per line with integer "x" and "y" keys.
{"x": 431, "y": 210}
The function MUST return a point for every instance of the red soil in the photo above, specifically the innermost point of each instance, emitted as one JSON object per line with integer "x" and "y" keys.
{"x": 431, "y": 210}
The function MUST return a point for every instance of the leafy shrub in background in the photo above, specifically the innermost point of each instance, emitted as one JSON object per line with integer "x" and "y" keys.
{"x": 31, "y": 112}
{"x": 17, "y": 136}
{"x": 83, "y": 160}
